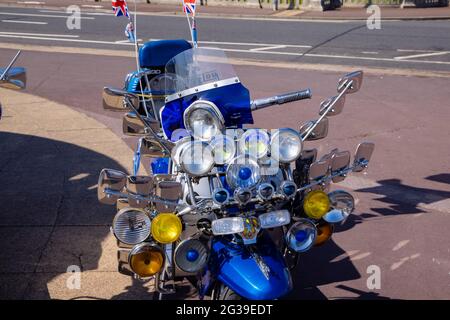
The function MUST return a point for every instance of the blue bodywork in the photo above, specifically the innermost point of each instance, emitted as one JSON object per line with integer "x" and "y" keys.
{"x": 235, "y": 267}
{"x": 230, "y": 263}
{"x": 232, "y": 100}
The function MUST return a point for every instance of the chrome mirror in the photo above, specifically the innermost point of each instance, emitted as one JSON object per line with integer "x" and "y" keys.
{"x": 351, "y": 82}
{"x": 166, "y": 187}
{"x": 362, "y": 156}
{"x": 337, "y": 105}
{"x": 132, "y": 125}
{"x": 14, "y": 78}
{"x": 113, "y": 99}
{"x": 319, "y": 130}
{"x": 308, "y": 156}
{"x": 319, "y": 169}
{"x": 110, "y": 180}
{"x": 139, "y": 185}
{"x": 152, "y": 149}
{"x": 342, "y": 204}
{"x": 339, "y": 161}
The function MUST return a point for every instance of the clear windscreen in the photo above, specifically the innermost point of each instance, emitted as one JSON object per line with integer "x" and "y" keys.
{"x": 197, "y": 66}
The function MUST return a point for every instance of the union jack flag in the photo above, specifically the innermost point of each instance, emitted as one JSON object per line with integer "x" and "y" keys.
{"x": 189, "y": 6}
{"x": 120, "y": 8}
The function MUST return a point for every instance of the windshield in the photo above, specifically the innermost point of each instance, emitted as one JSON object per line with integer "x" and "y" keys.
{"x": 198, "y": 66}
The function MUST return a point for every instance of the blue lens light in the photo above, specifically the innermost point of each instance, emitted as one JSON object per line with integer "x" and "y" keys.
{"x": 245, "y": 173}
{"x": 221, "y": 196}
{"x": 192, "y": 255}
{"x": 301, "y": 235}
{"x": 288, "y": 190}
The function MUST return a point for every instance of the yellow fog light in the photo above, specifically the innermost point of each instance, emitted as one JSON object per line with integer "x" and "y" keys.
{"x": 146, "y": 259}
{"x": 166, "y": 228}
{"x": 316, "y": 204}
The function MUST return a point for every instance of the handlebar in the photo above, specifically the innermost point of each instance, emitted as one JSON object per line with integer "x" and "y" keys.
{"x": 280, "y": 99}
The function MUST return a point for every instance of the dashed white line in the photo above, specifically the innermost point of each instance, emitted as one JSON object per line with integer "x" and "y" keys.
{"x": 39, "y": 34}
{"x": 268, "y": 48}
{"x": 40, "y": 15}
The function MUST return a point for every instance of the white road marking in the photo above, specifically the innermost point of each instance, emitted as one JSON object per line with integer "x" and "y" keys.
{"x": 369, "y": 52}
{"x": 40, "y": 34}
{"x": 41, "y": 15}
{"x": 268, "y": 48}
{"x": 414, "y": 50}
{"x": 25, "y": 22}
{"x": 422, "y": 55}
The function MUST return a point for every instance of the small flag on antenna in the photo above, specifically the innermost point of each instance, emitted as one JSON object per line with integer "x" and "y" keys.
{"x": 189, "y": 7}
{"x": 120, "y": 8}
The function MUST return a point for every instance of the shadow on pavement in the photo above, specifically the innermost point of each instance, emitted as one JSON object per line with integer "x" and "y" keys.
{"x": 50, "y": 217}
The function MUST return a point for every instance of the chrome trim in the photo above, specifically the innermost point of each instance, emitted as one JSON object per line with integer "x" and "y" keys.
{"x": 201, "y": 88}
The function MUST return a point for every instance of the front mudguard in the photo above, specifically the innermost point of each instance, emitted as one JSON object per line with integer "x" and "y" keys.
{"x": 236, "y": 267}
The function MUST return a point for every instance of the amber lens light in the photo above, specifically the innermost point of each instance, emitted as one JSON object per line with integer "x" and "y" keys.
{"x": 146, "y": 260}
{"x": 324, "y": 232}
{"x": 316, "y": 204}
{"x": 166, "y": 228}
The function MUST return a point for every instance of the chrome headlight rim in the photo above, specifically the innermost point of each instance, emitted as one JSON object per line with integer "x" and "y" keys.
{"x": 205, "y": 147}
{"x": 146, "y": 232}
{"x": 247, "y": 160}
{"x": 140, "y": 248}
{"x": 212, "y": 109}
{"x": 290, "y": 234}
{"x": 342, "y": 204}
{"x": 242, "y": 142}
{"x": 288, "y": 183}
{"x": 260, "y": 192}
{"x": 274, "y": 141}
{"x": 229, "y": 142}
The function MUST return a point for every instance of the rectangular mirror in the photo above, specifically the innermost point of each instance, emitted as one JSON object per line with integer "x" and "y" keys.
{"x": 319, "y": 131}
{"x": 363, "y": 155}
{"x": 169, "y": 189}
{"x": 319, "y": 169}
{"x": 152, "y": 149}
{"x": 111, "y": 179}
{"x": 139, "y": 185}
{"x": 351, "y": 80}
{"x": 336, "y": 108}
{"x": 15, "y": 78}
{"x": 339, "y": 161}
{"x": 133, "y": 126}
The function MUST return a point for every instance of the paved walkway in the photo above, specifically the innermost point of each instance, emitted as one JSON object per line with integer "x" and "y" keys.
{"x": 347, "y": 13}
{"x": 50, "y": 218}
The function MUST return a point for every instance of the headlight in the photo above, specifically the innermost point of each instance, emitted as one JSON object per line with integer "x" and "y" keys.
{"x": 196, "y": 158}
{"x": 243, "y": 172}
{"x": 265, "y": 191}
{"x": 316, "y": 204}
{"x": 274, "y": 219}
{"x": 254, "y": 143}
{"x": 203, "y": 120}
{"x": 286, "y": 145}
{"x": 227, "y": 226}
{"x": 178, "y": 149}
{"x": 131, "y": 226}
{"x": 191, "y": 255}
{"x": 301, "y": 236}
{"x": 146, "y": 259}
{"x": 223, "y": 148}
{"x": 220, "y": 195}
{"x": 288, "y": 188}
{"x": 342, "y": 204}
{"x": 166, "y": 228}
{"x": 242, "y": 195}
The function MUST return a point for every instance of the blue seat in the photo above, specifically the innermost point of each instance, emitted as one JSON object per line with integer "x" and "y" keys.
{"x": 156, "y": 54}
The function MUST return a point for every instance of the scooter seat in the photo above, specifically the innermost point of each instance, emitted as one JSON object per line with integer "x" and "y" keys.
{"x": 156, "y": 54}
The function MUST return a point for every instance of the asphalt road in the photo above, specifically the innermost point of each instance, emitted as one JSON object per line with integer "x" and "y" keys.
{"x": 421, "y": 45}
{"x": 401, "y": 222}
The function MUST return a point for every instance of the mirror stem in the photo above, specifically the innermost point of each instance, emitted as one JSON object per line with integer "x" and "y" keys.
{"x": 3, "y": 76}
{"x": 310, "y": 130}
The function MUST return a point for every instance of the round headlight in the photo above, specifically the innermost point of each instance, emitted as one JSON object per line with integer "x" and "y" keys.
{"x": 166, "y": 228}
{"x": 191, "y": 255}
{"x": 316, "y": 204}
{"x": 220, "y": 195}
{"x": 265, "y": 191}
{"x": 131, "y": 226}
{"x": 286, "y": 145}
{"x": 196, "y": 158}
{"x": 288, "y": 188}
{"x": 203, "y": 120}
{"x": 146, "y": 259}
{"x": 243, "y": 172}
{"x": 178, "y": 148}
{"x": 223, "y": 148}
{"x": 301, "y": 236}
{"x": 324, "y": 233}
{"x": 254, "y": 143}
{"x": 342, "y": 204}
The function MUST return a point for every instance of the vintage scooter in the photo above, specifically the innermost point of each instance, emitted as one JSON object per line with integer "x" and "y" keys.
{"x": 228, "y": 207}
{"x": 12, "y": 77}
